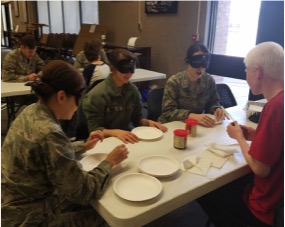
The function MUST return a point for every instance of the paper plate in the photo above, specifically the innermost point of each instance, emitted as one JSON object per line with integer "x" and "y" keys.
{"x": 147, "y": 133}
{"x": 137, "y": 187}
{"x": 158, "y": 165}
{"x": 91, "y": 161}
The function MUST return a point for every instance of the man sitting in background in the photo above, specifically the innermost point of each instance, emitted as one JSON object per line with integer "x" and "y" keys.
{"x": 22, "y": 64}
{"x": 81, "y": 59}
{"x": 97, "y": 68}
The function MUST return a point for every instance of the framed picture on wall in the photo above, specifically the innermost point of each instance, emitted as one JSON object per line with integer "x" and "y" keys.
{"x": 16, "y": 8}
{"x": 160, "y": 7}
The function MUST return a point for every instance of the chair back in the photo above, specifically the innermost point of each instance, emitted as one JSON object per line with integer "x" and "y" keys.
{"x": 226, "y": 96}
{"x": 154, "y": 101}
{"x": 82, "y": 131}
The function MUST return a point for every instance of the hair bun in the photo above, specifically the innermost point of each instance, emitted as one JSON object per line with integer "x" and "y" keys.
{"x": 39, "y": 87}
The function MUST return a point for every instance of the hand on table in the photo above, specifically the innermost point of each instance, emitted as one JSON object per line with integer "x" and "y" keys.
{"x": 126, "y": 136}
{"x": 157, "y": 125}
{"x": 94, "y": 137}
{"x": 119, "y": 154}
{"x": 221, "y": 114}
{"x": 203, "y": 119}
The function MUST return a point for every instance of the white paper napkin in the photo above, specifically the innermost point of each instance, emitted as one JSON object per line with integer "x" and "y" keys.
{"x": 221, "y": 150}
{"x": 194, "y": 164}
{"x": 216, "y": 160}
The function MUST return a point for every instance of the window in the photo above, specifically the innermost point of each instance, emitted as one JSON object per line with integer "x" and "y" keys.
{"x": 236, "y": 27}
{"x": 66, "y": 16}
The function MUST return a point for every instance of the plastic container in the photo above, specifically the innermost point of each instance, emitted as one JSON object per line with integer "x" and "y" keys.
{"x": 180, "y": 138}
{"x": 191, "y": 126}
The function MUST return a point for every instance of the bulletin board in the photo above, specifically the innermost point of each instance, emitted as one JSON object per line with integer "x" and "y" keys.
{"x": 86, "y": 34}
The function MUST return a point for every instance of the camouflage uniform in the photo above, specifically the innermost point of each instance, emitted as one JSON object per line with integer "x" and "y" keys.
{"x": 81, "y": 60}
{"x": 107, "y": 106}
{"x": 42, "y": 183}
{"x": 182, "y": 97}
{"x": 16, "y": 67}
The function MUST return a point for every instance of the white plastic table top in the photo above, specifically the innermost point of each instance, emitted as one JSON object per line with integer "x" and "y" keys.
{"x": 141, "y": 75}
{"x": 179, "y": 189}
{"x": 14, "y": 89}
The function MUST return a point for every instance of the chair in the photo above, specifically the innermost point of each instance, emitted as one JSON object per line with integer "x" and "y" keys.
{"x": 82, "y": 131}
{"x": 226, "y": 96}
{"x": 154, "y": 101}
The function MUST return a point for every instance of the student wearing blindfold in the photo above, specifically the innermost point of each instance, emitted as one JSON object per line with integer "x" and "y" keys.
{"x": 192, "y": 93}
{"x": 42, "y": 183}
{"x": 115, "y": 103}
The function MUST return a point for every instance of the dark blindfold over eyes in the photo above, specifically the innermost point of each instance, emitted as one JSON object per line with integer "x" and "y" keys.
{"x": 126, "y": 65}
{"x": 198, "y": 61}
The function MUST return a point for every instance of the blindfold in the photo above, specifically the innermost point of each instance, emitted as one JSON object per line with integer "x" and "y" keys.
{"x": 126, "y": 65}
{"x": 198, "y": 61}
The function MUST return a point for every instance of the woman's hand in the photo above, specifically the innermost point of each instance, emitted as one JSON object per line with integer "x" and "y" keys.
{"x": 94, "y": 137}
{"x": 119, "y": 154}
{"x": 248, "y": 132}
{"x": 157, "y": 125}
{"x": 234, "y": 131}
{"x": 203, "y": 119}
{"x": 220, "y": 114}
{"x": 126, "y": 136}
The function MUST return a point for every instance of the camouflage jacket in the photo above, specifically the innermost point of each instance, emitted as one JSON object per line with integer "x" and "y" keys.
{"x": 16, "y": 67}
{"x": 107, "y": 106}
{"x": 39, "y": 172}
{"x": 182, "y": 97}
{"x": 81, "y": 60}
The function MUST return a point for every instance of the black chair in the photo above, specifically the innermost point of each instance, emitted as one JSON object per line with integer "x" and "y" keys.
{"x": 82, "y": 131}
{"x": 226, "y": 96}
{"x": 154, "y": 101}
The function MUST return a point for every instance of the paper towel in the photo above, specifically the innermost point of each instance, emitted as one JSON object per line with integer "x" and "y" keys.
{"x": 132, "y": 41}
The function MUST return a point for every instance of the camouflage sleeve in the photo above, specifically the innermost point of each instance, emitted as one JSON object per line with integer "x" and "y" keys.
{"x": 78, "y": 146}
{"x": 137, "y": 114}
{"x": 94, "y": 111}
{"x": 80, "y": 61}
{"x": 9, "y": 70}
{"x": 170, "y": 110}
{"x": 213, "y": 103}
{"x": 66, "y": 175}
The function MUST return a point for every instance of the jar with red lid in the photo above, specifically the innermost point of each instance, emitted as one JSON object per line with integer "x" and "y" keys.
{"x": 180, "y": 138}
{"x": 191, "y": 126}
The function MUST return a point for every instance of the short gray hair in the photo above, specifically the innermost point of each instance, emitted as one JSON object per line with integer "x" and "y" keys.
{"x": 270, "y": 57}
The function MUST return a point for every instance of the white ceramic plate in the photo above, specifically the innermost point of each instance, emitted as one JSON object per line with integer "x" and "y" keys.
{"x": 158, "y": 165}
{"x": 147, "y": 133}
{"x": 137, "y": 187}
{"x": 91, "y": 161}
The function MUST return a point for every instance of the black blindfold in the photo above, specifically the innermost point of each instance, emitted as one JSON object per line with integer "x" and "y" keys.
{"x": 198, "y": 61}
{"x": 126, "y": 65}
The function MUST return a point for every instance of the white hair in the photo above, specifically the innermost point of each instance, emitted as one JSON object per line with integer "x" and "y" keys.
{"x": 270, "y": 57}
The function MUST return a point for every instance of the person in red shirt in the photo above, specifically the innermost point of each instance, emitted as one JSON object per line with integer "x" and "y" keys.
{"x": 253, "y": 199}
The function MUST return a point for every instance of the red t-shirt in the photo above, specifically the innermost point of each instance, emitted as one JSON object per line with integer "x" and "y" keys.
{"x": 268, "y": 147}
